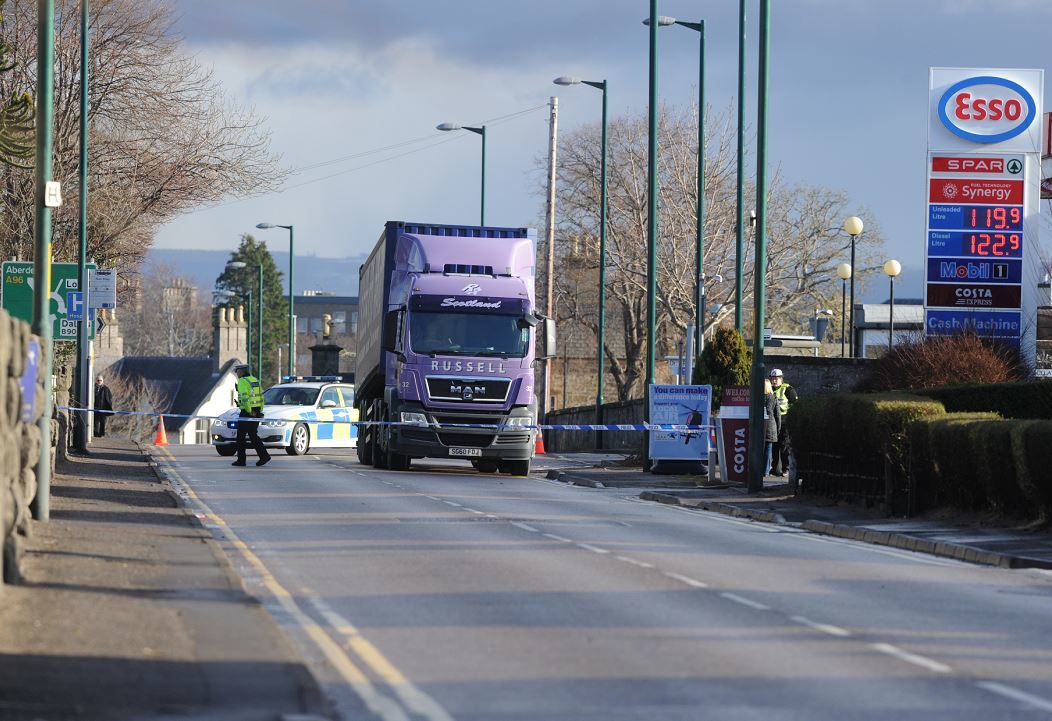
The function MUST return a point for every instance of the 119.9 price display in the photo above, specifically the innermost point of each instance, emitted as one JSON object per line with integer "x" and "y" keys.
{"x": 975, "y": 230}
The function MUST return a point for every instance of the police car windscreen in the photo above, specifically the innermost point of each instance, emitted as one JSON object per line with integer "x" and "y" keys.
{"x": 289, "y": 396}
{"x": 468, "y": 334}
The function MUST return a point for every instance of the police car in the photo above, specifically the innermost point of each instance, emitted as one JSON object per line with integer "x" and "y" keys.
{"x": 300, "y": 413}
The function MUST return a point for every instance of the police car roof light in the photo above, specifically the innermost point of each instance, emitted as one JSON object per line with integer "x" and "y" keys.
{"x": 311, "y": 379}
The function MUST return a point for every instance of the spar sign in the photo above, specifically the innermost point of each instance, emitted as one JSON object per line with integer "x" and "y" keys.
{"x": 982, "y": 193}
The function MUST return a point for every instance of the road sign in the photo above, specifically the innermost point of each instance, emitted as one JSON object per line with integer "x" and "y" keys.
{"x": 986, "y": 324}
{"x": 102, "y": 289}
{"x": 75, "y": 305}
{"x": 18, "y": 295}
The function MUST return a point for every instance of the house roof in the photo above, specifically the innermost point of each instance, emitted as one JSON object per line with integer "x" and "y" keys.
{"x": 177, "y": 385}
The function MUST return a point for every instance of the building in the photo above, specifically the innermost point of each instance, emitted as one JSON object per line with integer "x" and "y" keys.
{"x": 872, "y": 325}
{"x": 310, "y": 310}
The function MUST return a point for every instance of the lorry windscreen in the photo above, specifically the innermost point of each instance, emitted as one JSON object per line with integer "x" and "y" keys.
{"x": 468, "y": 334}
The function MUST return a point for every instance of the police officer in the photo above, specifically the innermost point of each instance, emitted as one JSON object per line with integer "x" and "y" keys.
{"x": 250, "y": 401}
{"x": 786, "y": 396}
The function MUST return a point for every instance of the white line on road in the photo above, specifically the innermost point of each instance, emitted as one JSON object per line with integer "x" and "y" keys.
{"x": 593, "y": 549}
{"x": 433, "y": 498}
{"x": 453, "y": 503}
{"x": 557, "y": 538}
{"x": 525, "y": 527}
{"x": 686, "y": 579}
{"x": 913, "y": 658}
{"x": 745, "y": 601}
{"x": 823, "y": 627}
{"x": 1016, "y": 695}
{"x": 634, "y": 562}
{"x": 477, "y": 513}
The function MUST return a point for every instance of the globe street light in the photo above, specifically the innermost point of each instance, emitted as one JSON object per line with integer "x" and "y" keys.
{"x": 699, "y": 251}
{"x": 892, "y": 268}
{"x": 292, "y": 296}
{"x": 853, "y": 227}
{"x": 481, "y": 130}
{"x": 843, "y": 272}
{"x": 601, "y": 344}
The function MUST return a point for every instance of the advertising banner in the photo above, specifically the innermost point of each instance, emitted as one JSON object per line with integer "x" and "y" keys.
{"x": 680, "y": 405}
{"x": 955, "y": 295}
{"x": 734, "y": 434}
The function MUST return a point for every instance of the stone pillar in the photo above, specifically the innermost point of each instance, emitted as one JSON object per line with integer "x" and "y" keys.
{"x": 229, "y": 336}
{"x": 325, "y": 359}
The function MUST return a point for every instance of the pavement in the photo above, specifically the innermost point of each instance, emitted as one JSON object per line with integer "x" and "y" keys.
{"x": 977, "y": 538}
{"x": 129, "y": 610}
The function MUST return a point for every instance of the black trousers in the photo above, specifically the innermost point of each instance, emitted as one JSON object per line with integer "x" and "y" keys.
{"x": 780, "y": 462}
{"x": 250, "y": 429}
{"x": 100, "y": 423}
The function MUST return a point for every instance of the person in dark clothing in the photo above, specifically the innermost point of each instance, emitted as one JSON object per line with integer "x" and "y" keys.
{"x": 103, "y": 403}
{"x": 772, "y": 424}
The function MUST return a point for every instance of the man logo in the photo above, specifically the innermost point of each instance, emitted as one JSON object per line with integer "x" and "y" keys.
{"x": 472, "y": 289}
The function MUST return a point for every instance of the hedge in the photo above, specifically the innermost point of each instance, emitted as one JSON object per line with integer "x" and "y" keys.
{"x": 991, "y": 451}
{"x": 942, "y": 462}
{"x": 1032, "y": 452}
{"x": 1030, "y": 399}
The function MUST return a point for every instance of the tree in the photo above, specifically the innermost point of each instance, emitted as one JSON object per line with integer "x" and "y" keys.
{"x": 163, "y": 137}
{"x": 163, "y": 315}
{"x": 241, "y": 281}
{"x": 726, "y": 361}
{"x": 16, "y": 117}
{"x": 804, "y": 239}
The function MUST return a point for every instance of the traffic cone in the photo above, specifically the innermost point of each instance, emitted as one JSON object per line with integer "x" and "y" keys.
{"x": 160, "y": 438}
{"x": 538, "y": 445}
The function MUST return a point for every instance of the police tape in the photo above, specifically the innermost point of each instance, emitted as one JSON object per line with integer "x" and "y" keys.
{"x": 413, "y": 424}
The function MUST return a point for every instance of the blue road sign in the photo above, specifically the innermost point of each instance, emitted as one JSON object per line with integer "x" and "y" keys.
{"x": 987, "y": 324}
{"x": 974, "y": 270}
{"x": 75, "y": 305}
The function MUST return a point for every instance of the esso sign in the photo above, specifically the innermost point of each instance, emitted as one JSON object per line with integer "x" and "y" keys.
{"x": 987, "y": 109}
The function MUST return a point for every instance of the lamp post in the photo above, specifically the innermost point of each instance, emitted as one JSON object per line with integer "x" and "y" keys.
{"x": 82, "y": 384}
{"x": 892, "y": 268}
{"x": 739, "y": 240}
{"x": 601, "y": 330}
{"x": 652, "y": 191}
{"x": 699, "y": 251}
{"x": 481, "y": 130}
{"x": 292, "y": 295}
{"x": 853, "y": 227}
{"x": 843, "y": 271}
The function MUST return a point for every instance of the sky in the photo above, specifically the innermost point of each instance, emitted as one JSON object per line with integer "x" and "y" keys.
{"x": 335, "y": 79}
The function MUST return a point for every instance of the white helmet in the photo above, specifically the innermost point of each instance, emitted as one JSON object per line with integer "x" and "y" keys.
{"x": 776, "y": 373}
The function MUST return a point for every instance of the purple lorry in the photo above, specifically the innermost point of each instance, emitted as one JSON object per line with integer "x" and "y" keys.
{"x": 447, "y": 331}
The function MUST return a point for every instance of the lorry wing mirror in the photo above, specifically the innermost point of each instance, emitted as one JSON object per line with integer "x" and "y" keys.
{"x": 548, "y": 326}
{"x": 390, "y": 337}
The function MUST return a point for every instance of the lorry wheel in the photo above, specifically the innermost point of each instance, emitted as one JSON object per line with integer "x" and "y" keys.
{"x": 397, "y": 461}
{"x": 300, "y": 442}
{"x": 486, "y": 466}
{"x": 227, "y": 450}
{"x": 517, "y": 468}
{"x": 365, "y": 449}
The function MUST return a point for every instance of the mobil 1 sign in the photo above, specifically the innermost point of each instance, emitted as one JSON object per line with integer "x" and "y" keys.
{"x": 65, "y": 298}
{"x": 983, "y": 169}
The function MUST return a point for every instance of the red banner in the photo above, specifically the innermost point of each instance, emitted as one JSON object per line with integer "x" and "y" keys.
{"x": 734, "y": 433}
{"x": 972, "y": 191}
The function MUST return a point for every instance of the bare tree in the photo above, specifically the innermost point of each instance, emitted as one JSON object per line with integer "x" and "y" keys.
{"x": 165, "y": 316}
{"x": 163, "y": 139}
{"x": 804, "y": 238}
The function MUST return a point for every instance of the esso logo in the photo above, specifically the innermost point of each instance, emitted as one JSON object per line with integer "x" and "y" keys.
{"x": 987, "y": 109}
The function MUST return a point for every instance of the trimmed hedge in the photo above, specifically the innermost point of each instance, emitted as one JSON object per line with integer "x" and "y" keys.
{"x": 942, "y": 461}
{"x": 995, "y": 466}
{"x": 1032, "y": 451}
{"x": 1030, "y": 399}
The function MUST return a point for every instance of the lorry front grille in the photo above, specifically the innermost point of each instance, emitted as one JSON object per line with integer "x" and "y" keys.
{"x": 466, "y": 440}
{"x": 468, "y": 390}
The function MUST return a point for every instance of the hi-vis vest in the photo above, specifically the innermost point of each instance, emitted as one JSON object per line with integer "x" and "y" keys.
{"x": 249, "y": 393}
{"x": 783, "y": 402}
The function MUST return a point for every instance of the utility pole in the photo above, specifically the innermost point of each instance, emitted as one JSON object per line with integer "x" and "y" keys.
{"x": 549, "y": 303}
{"x": 82, "y": 383}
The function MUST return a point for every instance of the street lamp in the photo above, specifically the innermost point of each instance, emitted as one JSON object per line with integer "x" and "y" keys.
{"x": 853, "y": 227}
{"x": 843, "y": 271}
{"x": 481, "y": 130}
{"x": 699, "y": 251}
{"x": 892, "y": 268}
{"x": 600, "y": 369}
{"x": 292, "y": 295}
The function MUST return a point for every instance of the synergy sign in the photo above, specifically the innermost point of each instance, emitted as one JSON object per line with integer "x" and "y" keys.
{"x": 984, "y": 143}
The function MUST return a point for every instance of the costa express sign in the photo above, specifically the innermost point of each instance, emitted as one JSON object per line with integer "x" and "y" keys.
{"x": 987, "y": 109}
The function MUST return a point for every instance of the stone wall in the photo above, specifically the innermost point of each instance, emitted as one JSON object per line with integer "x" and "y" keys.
{"x": 815, "y": 376}
{"x": 19, "y": 441}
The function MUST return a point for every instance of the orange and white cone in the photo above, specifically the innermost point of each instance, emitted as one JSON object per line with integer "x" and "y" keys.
{"x": 160, "y": 438}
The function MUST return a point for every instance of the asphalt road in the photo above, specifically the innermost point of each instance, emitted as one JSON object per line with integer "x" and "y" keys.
{"x": 443, "y": 594}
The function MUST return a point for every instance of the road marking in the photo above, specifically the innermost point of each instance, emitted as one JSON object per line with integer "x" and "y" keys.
{"x": 634, "y": 562}
{"x": 433, "y": 498}
{"x": 686, "y": 579}
{"x": 525, "y": 527}
{"x": 556, "y": 538}
{"x": 823, "y": 627}
{"x": 378, "y": 703}
{"x": 745, "y": 601}
{"x": 593, "y": 549}
{"x": 477, "y": 513}
{"x": 1016, "y": 695}
{"x": 913, "y": 658}
{"x": 453, "y": 503}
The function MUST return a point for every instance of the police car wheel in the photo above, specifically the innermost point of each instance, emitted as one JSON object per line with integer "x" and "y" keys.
{"x": 300, "y": 442}
{"x": 227, "y": 450}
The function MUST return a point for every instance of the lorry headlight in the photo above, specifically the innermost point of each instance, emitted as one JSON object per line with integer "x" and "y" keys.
{"x": 414, "y": 419}
{"x": 273, "y": 424}
{"x": 519, "y": 422}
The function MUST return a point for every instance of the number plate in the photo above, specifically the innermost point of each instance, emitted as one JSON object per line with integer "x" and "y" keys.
{"x": 465, "y": 452}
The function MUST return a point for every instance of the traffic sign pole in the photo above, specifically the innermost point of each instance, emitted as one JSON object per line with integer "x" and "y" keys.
{"x": 82, "y": 382}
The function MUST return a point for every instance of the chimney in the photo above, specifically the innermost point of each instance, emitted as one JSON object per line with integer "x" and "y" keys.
{"x": 229, "y": 336}
{"x": 325, "y": 359}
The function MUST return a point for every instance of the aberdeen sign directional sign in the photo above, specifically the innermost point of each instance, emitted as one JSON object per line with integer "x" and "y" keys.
{"x": 983, "y": 167}
{"x": 65, "y": 296}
